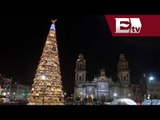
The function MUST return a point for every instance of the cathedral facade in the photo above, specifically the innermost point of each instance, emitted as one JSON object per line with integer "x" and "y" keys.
{"x": 102, "y": 88}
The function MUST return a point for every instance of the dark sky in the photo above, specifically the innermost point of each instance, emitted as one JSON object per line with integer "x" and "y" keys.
{"x": 23, "y": 37}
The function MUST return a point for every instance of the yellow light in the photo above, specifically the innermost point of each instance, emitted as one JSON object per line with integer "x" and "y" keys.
{"x": 47, "y": 86}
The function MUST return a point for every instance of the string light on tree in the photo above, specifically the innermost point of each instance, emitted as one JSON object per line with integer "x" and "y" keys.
{"x": 47, "y": 87}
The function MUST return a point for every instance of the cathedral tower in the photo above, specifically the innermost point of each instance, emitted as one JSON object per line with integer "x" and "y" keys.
{"x": 80, "y": 72}
{"x": 124, "y": 78}
{"x": 123, "y": 70}
{"x": 80, "y": 77}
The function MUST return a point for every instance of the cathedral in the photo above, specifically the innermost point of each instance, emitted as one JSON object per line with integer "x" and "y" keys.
{"x": 102, "y": 88}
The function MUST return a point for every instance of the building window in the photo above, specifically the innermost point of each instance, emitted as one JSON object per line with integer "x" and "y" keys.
{"x": 77, "y": 76}
{"x": 80, "y": 66}
{"x": 127, "y": 76}
{"x": 121, "y": 77}
{"x": 103, "y": 86}
{"x": 80, "y": 78}
{"x": 83, "y": 77}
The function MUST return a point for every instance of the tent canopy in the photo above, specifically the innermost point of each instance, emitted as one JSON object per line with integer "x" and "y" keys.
{"x": 123, "y": 101}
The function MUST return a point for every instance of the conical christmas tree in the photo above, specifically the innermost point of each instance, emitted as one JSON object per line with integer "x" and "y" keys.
{"x": 47, "y": 87}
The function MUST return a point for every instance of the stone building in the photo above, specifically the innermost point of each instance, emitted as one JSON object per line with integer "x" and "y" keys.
{"x": 102, "y": 88}
{"x": 5, "y": 85}
{"x": 19, "y": 91}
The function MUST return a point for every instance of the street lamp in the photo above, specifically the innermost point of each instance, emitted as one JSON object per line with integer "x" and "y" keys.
{"x": 14, "y": 95}
{"x": 4, "y": 94}
{"x": 151, "y": 78}
{"x": 81, "y": 94}
{"x": 129, "y": 95}
{"x": 43, "y": 77}
{"x": 115, "y": 95}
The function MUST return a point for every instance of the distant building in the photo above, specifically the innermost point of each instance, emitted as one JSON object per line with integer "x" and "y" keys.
{"x": 5, "y": 85}
{"x": 103, "y": 88}
{"x": 19, "y": 91}
{"x": 154, "y": 89}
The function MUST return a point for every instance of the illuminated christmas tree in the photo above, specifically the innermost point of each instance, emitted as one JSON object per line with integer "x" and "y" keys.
{"x": 47, "y": 87}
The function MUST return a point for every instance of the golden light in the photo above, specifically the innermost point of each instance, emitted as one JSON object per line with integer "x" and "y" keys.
{"x": 47, "y": 86}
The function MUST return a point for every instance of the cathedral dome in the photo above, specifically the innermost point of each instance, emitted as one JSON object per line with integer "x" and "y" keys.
{"x": 81, "y": 57}
{"x": 122, "y": 57}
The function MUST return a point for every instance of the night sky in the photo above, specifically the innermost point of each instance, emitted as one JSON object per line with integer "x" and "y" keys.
{"x": 23, "y": 37}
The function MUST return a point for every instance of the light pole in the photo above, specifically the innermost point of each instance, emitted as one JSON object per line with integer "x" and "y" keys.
{"x": 115, "y": 95}
{"x": 151, "y": 78}
{"x": 14, "y": 95}
{"x": 80, "y": 94}
{"x": 129, "y": 95}
{"x": 43, "y": 77}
